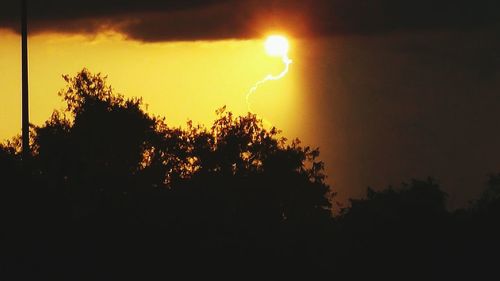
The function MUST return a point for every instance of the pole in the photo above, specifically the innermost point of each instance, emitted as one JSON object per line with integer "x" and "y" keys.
{"x": 25, "y": 101}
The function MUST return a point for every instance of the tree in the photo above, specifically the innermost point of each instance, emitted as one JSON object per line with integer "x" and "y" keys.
{"x": 396, "y": 230}
{"x": 106, "y": 144}
{"x": 120, "y": 178}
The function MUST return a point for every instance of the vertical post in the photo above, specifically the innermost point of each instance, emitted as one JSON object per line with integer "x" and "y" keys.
{"x": 25, "y": 101}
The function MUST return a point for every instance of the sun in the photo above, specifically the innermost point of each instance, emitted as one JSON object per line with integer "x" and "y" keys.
{"x": 276, "y": 46}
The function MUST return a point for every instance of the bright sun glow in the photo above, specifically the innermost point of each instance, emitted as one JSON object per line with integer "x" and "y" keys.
{"x": 276, "y": 45}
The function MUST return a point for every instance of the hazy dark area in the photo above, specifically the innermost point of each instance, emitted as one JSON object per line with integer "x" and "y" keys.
{"x": 110, "y": 191}
{"x": 385, "y": 108}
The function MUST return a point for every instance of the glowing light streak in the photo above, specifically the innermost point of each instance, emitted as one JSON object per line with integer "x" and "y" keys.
{"x": 275, "y": 46}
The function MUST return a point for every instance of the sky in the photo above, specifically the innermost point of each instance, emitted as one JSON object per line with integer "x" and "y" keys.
{"x": 389, "y": 90}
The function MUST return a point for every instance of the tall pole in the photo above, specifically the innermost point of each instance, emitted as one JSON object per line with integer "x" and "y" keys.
{"x": 25, "y": 101}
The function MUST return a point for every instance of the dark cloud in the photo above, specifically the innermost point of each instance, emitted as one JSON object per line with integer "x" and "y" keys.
{"x": 151, "y": 20}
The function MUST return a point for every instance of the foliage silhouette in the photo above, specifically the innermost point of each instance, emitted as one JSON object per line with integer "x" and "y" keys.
{"x": 112, "y": 191}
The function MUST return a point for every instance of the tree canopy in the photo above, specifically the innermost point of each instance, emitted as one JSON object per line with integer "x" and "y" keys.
{"x": 111, "y": 189}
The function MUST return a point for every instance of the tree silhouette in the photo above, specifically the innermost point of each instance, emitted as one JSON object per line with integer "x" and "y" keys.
{"x": 236, "y": 188}
{"x": 112, "y": 191}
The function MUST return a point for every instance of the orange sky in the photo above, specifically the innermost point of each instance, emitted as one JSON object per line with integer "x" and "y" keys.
{"x": 179, "y": 80}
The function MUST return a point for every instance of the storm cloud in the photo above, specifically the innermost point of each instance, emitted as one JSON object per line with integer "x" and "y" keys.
{"x": 151, "y": 20}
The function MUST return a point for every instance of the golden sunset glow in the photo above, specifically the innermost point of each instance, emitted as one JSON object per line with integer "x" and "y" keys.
{"x": 178, "y": 80}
